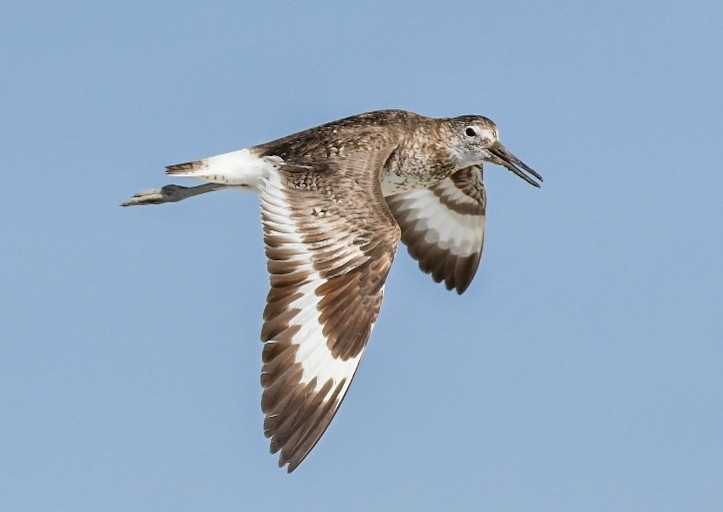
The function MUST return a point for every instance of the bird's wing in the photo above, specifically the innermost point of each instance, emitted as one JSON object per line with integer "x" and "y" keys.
{"x": 444, "y": 226}
{"x": 329, "y": 247}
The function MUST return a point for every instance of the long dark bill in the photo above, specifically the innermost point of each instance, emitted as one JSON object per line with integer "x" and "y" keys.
{"x": 514, "y": 164}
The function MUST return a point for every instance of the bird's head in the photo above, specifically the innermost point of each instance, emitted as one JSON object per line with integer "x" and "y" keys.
{"x": 475, "y": 140}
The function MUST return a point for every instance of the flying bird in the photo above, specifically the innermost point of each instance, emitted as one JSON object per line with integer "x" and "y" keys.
{"x": 335, "y": 202}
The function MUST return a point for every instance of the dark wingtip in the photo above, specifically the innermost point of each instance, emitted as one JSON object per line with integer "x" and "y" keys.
{"x": 461, "y": 288}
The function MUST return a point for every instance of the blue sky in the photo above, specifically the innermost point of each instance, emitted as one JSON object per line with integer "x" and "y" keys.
{"x": 582, "y": 370}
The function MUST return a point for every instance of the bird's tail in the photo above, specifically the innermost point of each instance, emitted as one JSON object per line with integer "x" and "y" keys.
{"x": 187, "y": 168}
{"x": 238, "y": 168}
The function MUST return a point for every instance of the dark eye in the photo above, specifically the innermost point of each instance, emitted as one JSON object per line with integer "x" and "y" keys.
{"x": 469, "y": 132}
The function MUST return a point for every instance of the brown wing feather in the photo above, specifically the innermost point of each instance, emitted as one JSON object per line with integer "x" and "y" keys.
{"x": 443, "y": 226}
{"x": 330, "y": 244}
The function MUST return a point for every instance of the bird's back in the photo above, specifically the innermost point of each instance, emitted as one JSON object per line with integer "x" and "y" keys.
{"x": 362, "y": 132}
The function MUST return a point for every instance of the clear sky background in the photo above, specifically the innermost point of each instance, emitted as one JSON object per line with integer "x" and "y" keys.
{"x": 582, "y": 370}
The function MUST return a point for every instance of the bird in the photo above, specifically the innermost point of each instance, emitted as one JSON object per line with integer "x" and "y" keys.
{"x": 336, "y": 200}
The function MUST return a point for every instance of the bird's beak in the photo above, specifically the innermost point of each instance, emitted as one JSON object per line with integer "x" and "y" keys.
{"x": 514, "y": 164}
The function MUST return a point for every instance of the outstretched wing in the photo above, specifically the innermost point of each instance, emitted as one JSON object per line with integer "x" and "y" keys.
{"x": 329, "y": 244}
{"x": 444, "y": 226}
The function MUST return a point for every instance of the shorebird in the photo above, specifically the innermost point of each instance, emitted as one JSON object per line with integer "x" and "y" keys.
{"x": 335, "y": 202}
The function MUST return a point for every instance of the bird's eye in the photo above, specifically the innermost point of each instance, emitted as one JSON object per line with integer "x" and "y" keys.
{"x": 469, "y": 132}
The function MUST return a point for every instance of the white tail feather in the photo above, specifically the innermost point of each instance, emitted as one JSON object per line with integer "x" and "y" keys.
{"x": 237, "y": 168}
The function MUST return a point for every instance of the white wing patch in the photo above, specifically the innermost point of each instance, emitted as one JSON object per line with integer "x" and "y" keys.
{"x": 443, "y": 226}
{"x": 460, "y": 234}
{"x": 316, "y": 360}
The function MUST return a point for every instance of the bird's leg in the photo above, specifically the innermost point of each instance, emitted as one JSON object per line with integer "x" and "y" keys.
{"x": 169, "y": 194}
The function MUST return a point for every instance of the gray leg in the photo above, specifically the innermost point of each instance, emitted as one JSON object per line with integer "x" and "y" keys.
{"x": 170, "y": 194}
